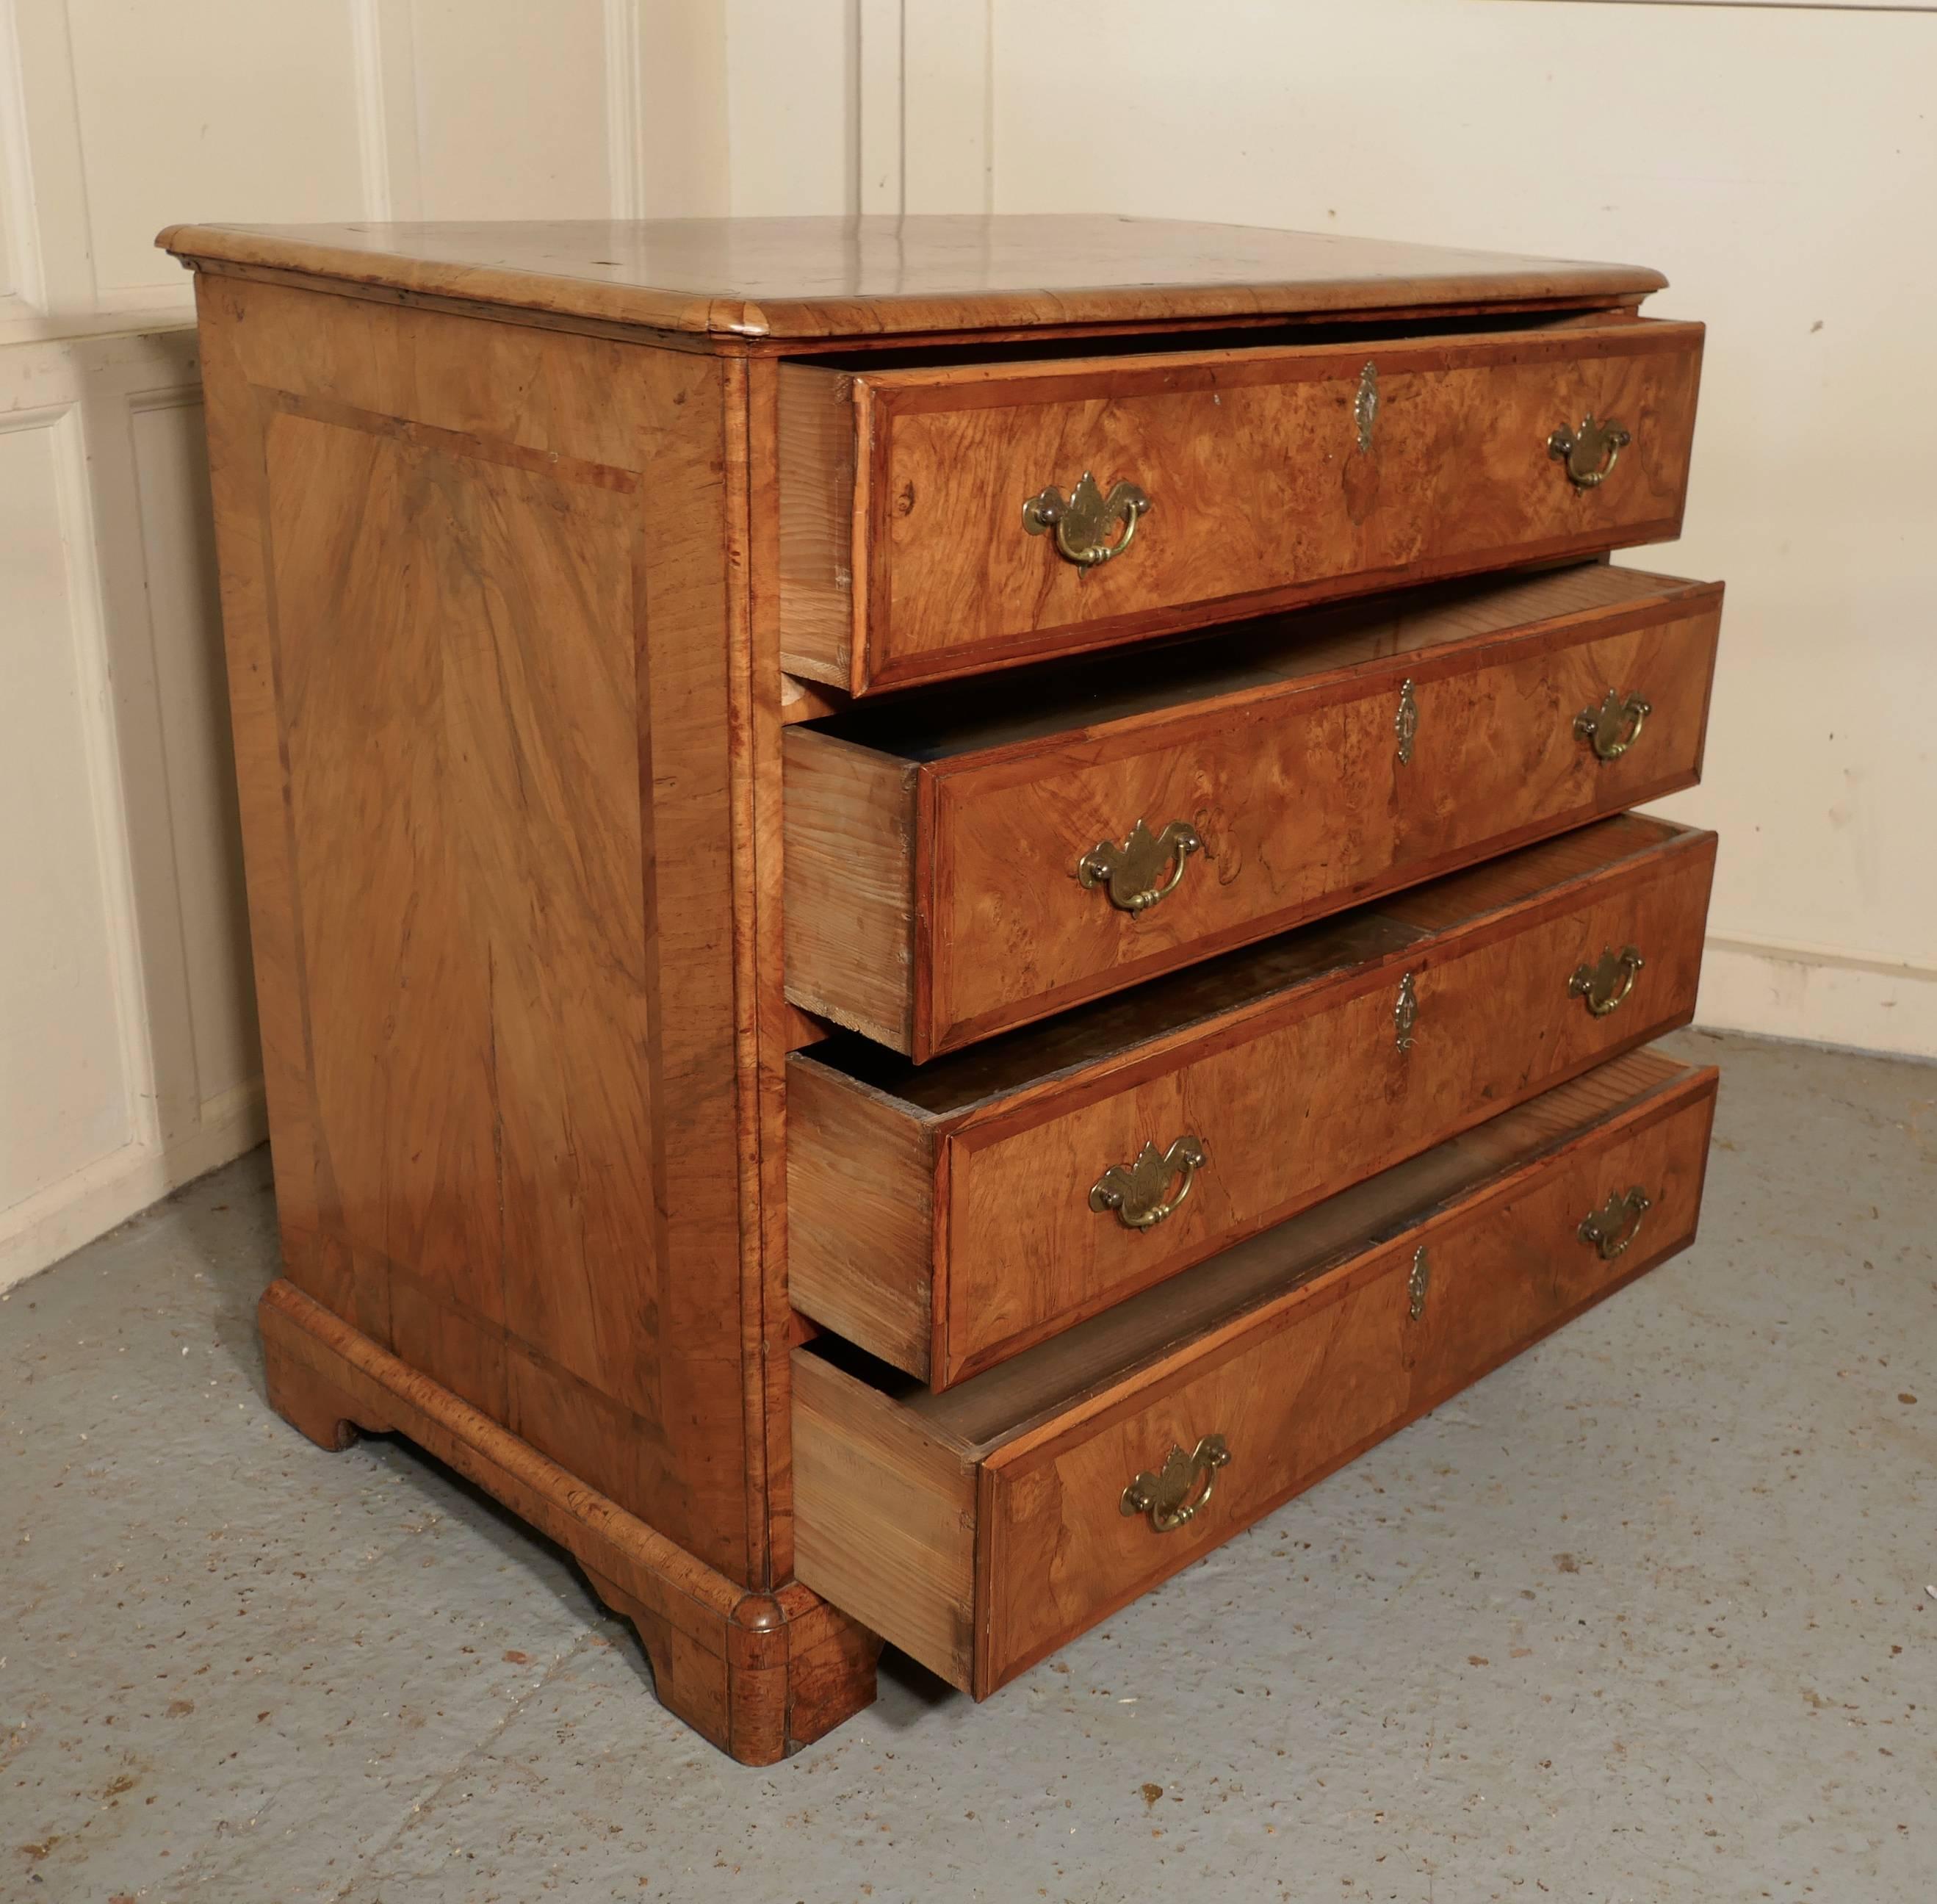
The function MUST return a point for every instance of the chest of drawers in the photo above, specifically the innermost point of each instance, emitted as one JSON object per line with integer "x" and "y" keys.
{"x": 941, "y": 905}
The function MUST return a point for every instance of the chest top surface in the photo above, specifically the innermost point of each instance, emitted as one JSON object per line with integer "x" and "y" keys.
{"x": 817, "y": 278}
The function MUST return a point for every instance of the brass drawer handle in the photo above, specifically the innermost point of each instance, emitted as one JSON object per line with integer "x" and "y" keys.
{"x": 1614, "y": 726}
{"x": 1130, "y": 871}
{"x": 1590, "y": 452}
{"x": 1608, "y": 981}
{"x": 1166, "y": 1495}
{"x": 1082, "y": 522}
{"x": 1611, "y": 1228}
{"x": 1136, "y": 1192}
{"x": 1417, "y": 1283}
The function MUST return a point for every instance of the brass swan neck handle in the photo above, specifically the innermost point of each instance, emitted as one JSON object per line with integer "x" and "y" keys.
{"x": 1139, "y": 1194}
{"x": 1083, "y": 520}
{"x": 1130, "y": 872}
{"x": 1590, "y": 452}
{"x": 1605, "y": 982}
{"x": 1614, "y": 726}
{"x": 1610, "y": 1230}
{"x": 1179, "y": 1491}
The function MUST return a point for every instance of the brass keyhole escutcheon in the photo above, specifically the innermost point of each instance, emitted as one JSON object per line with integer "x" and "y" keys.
{"x": 1365, "y": 406}
{"x": 1614, "y": 726}
{"x": 1130, "y": 872}
{"x": 1083, "y": 522}
{"x": 1138, "y": 1194}
{"x": 1605, "y": 983}
{"x": 1417, "y": 1283}
{"x": 1405, "y": 1013}
{"x": 1590, "y": 452}
{"x": 1180, "y": 1489}
{"x": 1405, "y": 723}
{"x": 1611, "y": 1228}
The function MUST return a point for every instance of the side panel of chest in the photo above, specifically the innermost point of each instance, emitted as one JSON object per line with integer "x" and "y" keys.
{"x": 480, "y": 699}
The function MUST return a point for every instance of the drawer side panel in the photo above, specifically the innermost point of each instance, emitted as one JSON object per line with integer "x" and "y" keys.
{"x": 884, "y": 1517}
{"x": 860, "y": 1214}
{"x": 849, "y": 878}
{"x": 818, "y": 418}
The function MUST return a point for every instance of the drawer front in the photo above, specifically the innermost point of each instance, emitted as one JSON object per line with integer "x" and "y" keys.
{"x": 979, "y": 1531}
{"x": 1271, "y": 476}
{"x": 1287, "y": 1106}
{"x": 1297, "y": 1394}
{"x": 1302, "y": 804}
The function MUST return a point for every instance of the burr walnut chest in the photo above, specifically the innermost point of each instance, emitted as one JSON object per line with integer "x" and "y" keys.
{"x": 940, "y": 904}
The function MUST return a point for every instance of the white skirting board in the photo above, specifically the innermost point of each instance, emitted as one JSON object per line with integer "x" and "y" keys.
{"x": 59, "y": 1219}
{"x": 1818, "y": 997}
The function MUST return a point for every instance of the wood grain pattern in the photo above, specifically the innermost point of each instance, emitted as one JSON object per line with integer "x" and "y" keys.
{"x": 758, "y": 1674}
{"x": 831, "y": 1661}
{"x": 1302, "y": 1378}
{"x": 861, "y": 1209}
{"x": 751, "y": 731}
{"x": 849, "y": 859}
{"x": 1292, "y": 1081}
{"x": 806, "y": 700}
{"x": 857, "y": 278}
{"x": 1260, "y": 495}
{"x": 482, "y": 714}
{"x": 1014, "y": 340}
{"x": 759, "y": 715}
{"x": 884, "y": 1517}
{"x": 1278, "y": 745}
{"x": 819, "y": 424}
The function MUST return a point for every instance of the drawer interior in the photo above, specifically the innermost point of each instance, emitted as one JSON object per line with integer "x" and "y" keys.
{"x": 1269, "y": 334}
{"x": 1064, "y": 701}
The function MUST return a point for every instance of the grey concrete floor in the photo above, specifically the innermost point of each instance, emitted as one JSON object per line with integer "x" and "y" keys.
{"x": 1646, "y": 1615}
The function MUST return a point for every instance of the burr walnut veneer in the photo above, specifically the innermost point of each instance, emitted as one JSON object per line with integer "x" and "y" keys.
{"x": 979, "y": 1529}
{"x": 867, "y": 1016}
{"x": 928, "y": 844}
{"x": 1270, "y": 472}
{"x": 928, "y": 1216}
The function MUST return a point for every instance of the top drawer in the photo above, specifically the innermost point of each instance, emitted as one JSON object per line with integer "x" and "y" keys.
{"x": 933, "y": 521}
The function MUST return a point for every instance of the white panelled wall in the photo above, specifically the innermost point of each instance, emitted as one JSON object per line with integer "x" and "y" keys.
{"x": 1781, "y": 164}
{"x": 128, "y": 1055}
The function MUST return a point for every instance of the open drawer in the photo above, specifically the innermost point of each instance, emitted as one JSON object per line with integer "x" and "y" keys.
{"x": 940, "y": 520}
{"x": 980, "y": 1529}
{"x": 962, "y": 862}
{"x": 945, "y": 1216}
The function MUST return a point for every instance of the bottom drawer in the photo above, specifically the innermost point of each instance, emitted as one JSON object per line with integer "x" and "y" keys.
{"x": 980, "y": 1528}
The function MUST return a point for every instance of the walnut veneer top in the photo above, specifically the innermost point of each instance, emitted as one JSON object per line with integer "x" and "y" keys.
{"x": 820, "y": 277}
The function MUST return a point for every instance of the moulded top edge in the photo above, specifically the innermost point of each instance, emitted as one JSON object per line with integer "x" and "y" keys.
{"x": 816, "y": 278}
